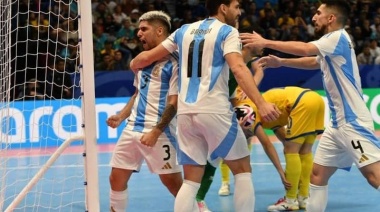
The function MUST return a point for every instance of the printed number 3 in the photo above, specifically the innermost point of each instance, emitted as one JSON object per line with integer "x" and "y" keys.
{"x": 167, "y": 151}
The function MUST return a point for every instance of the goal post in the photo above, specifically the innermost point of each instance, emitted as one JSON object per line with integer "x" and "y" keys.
{"x": 48, "y": 139}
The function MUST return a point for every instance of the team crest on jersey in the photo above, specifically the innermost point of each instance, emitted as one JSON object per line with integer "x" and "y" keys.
{"x": 289, "y": 126}
{"x": 156, "y": 71}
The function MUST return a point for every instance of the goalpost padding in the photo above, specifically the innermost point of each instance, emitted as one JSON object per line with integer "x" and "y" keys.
{"x": 38, "y": 124}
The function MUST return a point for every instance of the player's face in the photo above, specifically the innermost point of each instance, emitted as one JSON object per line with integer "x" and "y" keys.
{"x": 321, "y": 20}
{"x": 233, "y": 13}
{"x": 147, "y": 35}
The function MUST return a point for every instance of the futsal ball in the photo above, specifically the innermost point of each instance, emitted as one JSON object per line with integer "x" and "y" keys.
{"x": 243, "y": 111}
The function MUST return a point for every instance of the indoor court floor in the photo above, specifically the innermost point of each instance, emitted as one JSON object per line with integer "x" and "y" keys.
{"x": 348, "y": 191}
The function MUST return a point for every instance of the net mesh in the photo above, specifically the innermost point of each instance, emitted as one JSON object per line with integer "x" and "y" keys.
{"x": 40, "y": 107}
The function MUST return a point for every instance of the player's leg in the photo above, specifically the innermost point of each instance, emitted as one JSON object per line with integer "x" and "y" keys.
{"x": 186, "y": 197}
{"x": 207, "y": 179}
{"x": 364, "y": 146}
{"x": 372, "y": 173}
{"x": 162, "y": 160}
{"x": 329, "y": 156}
{"x": 173, "y": 182}
{"x": 306, "y": 158}
{"x": 225, "y": 175}
{"x": 244, "y": 196}
{"x": 125, "y": 159}
{"x": 293, "y": 170}
{"x": 227, "y": 141}
{"x": 316, "y": 110}
{"x": 224, "y": 189}
{"x": 118, "y": 194}
{"x": 192, "y": 154}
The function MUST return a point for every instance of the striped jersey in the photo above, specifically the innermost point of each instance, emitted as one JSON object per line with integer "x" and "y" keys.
{"x": 154, "y": 84}
{"x": 341, "y": 79}
{"x": 203, "y": 72}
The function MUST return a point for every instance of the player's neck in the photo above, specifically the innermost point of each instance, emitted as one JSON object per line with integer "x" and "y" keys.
{"x": 219, "y": 18}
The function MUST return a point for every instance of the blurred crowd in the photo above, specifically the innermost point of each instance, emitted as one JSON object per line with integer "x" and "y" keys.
{"x": 46, "y": 32}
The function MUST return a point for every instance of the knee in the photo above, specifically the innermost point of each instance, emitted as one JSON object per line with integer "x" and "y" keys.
{"x": 172, "y": 183}
{"x": 373, "y": 180}
{"x": 118, "y": 180}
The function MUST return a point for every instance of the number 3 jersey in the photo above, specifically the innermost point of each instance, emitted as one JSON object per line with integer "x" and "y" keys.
{"x": 203, "y": 71}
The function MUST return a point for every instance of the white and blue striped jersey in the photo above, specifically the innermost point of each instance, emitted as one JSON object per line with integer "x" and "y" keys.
{"x": 203, "y": 72}
{"x": 154, "y": 84}
{"x": 341, "y": 79}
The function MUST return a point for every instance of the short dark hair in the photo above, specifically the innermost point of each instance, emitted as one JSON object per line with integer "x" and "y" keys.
{"x": 213, "y": 5}
{"x": 341, "y": 6}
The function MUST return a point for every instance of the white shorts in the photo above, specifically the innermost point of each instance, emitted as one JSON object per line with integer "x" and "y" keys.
{"x": 212, "y": 137}
{"x": 129, "y": 153}
{"x": 354, "y": 142}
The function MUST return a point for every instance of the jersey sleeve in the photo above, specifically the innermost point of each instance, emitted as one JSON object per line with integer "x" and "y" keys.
{"x": 135, "y": 82}
{"x": 169, "y": 42}
{"x": 173, "y": 89}
{"x": 327, "y": 44}
{"x": 232, "y": 43}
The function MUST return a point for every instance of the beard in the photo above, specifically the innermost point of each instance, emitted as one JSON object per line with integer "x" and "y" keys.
{"x": 321, "y": 31}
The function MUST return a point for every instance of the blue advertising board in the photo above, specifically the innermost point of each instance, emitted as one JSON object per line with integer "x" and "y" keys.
{"x": 36, "y": 124}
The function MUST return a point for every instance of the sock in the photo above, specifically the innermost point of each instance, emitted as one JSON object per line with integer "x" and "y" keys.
{"x": 118, "y": 200}
{"x": 293, "y": 173}
{"x": 307, "y": 166}
{"x": 207, "y": 179}
{"x": 318, "y": 198}
{"x": 244, "y": 195}
{"x": 225, "y": 172}
{"x": 185, "y": 199}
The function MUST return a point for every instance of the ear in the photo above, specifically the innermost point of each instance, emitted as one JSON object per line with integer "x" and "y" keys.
{"x": 332, "y": 17}
{"x": 223, "y": 9}
{"x": 160, "y": 31}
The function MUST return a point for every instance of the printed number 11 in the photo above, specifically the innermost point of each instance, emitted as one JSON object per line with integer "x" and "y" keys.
{"x": 190, "y": 58}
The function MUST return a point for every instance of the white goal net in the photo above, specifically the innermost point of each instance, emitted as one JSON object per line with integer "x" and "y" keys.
{"x": 48, "y": 152}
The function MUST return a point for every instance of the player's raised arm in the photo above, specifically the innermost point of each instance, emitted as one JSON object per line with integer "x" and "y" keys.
{"x": 306, "y": 63}
{"x": 145, "y": 58}
{"x": 255, "y": 40}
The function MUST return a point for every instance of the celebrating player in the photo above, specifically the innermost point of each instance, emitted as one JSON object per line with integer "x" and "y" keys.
{"x": 150, "y": 133}
{"x": 207, "y": 126}
{"x": 350, "y": 137}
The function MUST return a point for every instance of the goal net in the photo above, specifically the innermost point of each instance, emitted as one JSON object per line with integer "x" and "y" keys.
{"x": 48, "y": 157}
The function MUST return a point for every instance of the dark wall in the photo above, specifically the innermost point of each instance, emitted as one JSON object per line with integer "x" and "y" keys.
{"x": 120, "y": 83}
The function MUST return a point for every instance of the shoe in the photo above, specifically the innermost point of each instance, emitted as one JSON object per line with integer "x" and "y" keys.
{"x": 284, "y": 204}
{"x": 224, "y": 189}
{"x": 302, "y": 201}
{"x": 203, "y": 207}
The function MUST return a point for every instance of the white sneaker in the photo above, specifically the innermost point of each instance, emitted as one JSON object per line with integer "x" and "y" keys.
{"x": 302, "y": 201}
{"x": 203, "y": 207}
{"x": 224, "y": 189}
{"x": 284, "y": 204}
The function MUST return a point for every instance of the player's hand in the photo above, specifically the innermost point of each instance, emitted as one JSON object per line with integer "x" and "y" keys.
{"x": 286, "y": 183}
{"x": 270, "y": 61}
{"x": 252, "y": 40}
{"x": 150, "y": 139}
{"x": 259, "y": 66}
{"x": 269, "y": 112}
{"x": 114, "y": 121}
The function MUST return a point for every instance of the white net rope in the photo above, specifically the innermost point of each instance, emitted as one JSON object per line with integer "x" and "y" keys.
{"x": 40, "y": 106}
